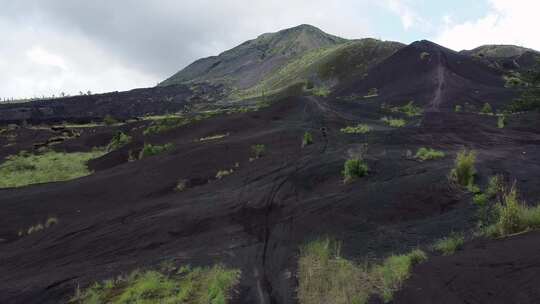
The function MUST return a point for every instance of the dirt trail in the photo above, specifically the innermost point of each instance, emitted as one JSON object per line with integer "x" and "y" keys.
{"x": 434, "y": 105}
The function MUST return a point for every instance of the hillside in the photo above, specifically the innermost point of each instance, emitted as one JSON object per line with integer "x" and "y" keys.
{"x": 497, "y": 51}
{"x": 385, "y": 173}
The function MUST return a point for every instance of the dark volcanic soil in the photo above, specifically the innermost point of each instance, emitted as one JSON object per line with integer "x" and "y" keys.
{"x": 127, "y": 215}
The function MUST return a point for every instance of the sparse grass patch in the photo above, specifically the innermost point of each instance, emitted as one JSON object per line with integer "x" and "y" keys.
{"x": 358, "y": 129}
{"x": 409, "y": 109}
{"x": 184, "y": 285}
{"x": 353, "y": 169}
{"x": 118, "y": 141}
{"x": 51, "y": 221}
{"x": 373, "y": 92}
{"x": 424, "y": 154}
{"x": 258, "y": 150}
{"x": 513, "y": 216}
{"x": 307, "y": 139}
{"x": 394, "y": 122}
{"x": 26, "y": 169}
{"x": 501, "y": 121}
{"x": 450, "y": 244}
{"x": 213, "y": 137}
{"x": 222, "y": 173}
{"x": 327, "y": 278}
{"x": 181, "y": 185}
{"x": 458, "y": 108}
{"x": 464, "y": 170}
{"x": 486, "y": 109}
{"x": 321, "y": 91}
{"x": 150, "y": 150}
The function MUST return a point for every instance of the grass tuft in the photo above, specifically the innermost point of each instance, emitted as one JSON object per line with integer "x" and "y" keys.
{"x": 353, "y": 169}
{"x": 307, "y": 139}
{"x": 151, "y": 150}
{"x": 358, "y": 129}
{"x": 424, "y": 154}
{"x": 464, "y": 170}
{"x": 513, "y": 216}
{"x": 118, "y": 141}
{"x": 394, "y": 122}
{"x": 450, "y": 244}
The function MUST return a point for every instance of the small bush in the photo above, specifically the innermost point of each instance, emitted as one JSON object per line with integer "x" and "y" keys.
{"x": 353, "y": 169}
{"x": 464, "y": 170}
{"x": 513, "y": 216}
{"x": 458, "y": 109}
{"x": 258, "y": 150}
{"x": 118, "y": 141}
{"x": 307, "y": 139}
{"x": 424, "y": 154}
{"x": 150, "y": 150}
{"x": 394, "y": 122}
{"x": 394, "y": 271}
{"x": 501, "y": 121}
{"x": 495, "y": 186}
{"x": 450, "y": 244}
{"x": 358, "y": 129}
{"x": 486, "y": 109}
{"x": 409, "y": 109}
{"x": 321, "y": 91}
{"x": 109, "y": 120}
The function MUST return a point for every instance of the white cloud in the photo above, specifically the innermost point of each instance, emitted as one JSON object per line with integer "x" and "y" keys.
{"x": 506, "y": 22}
{"x": 407, "y": 15}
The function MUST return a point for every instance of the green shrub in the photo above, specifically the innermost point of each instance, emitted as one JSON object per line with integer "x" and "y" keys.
{"x": 212, "y": 285}
{"x": 321, "y": 91}
{"x": 354, "y": 168}
{"x": 118, "y": 141}
{"x": 109, "y": 120}
{"x": 486, "y": 109}
{"x": 258, "y": 150}
{"x": 513, "y": 216}
{"x": 150, "y": 150}
{"x": 464, "y": 170}
{"x": 409, "y": 109}
{"x": 501, "y": 121}
{"x": 307, "y": 139}
{"x": 26, "y": 169}
{"x": 324, "y": 277}
{"x": 424, "y": 154}
{"x": 495, "y": 186}
{"x": 458, "y": 109}
{"x": 394, "y": 122}
{"x": 394, "y": 271}
{"x": 450, "y": 244}
{"x": 358, "y": 129}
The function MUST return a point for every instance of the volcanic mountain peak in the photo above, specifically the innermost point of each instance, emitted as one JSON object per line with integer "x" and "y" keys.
{"x": 248, "y": 63}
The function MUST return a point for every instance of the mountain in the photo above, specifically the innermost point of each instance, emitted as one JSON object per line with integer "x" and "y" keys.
{"x": 432, "y": 76}
{"x": 497, "y": 51}
{"x": 248, "y": 63}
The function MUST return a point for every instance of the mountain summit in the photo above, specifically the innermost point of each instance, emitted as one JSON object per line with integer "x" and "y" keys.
{"x": 248, "y": 63}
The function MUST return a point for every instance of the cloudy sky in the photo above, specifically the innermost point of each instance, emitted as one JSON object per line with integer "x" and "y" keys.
{"x": 53, "y": 46}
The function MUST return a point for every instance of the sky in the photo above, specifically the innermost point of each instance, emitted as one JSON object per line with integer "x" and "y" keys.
{"x": 52, "y": 46}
